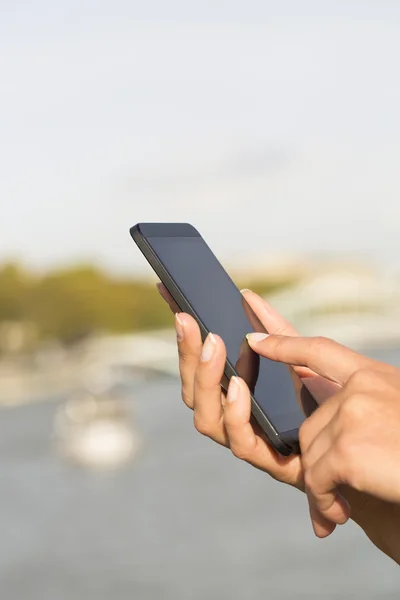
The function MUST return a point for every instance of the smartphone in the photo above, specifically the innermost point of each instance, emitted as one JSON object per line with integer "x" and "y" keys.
{"x": 201, "y": 287}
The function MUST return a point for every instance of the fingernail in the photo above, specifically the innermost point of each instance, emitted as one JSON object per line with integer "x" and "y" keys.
{"x": 179, "y": 328}
{"x": 256, "y": 337}
{"x": 208, "y": 348}
{"x": 244, "y": 290}
{"x": 233, "y": 390}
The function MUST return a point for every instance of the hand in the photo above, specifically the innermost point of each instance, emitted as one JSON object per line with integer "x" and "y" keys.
{"x": 228, "y": 423}
{"x": 232, "y": 426}
{"x": 352, "y": 440}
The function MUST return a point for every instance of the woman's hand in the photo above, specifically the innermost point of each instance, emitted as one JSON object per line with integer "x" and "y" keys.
{"x": 226, "y": 420}
{"x": 353, "y": 440}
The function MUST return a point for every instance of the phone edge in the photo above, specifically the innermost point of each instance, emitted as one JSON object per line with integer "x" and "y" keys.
{"x": 273, "y": 436}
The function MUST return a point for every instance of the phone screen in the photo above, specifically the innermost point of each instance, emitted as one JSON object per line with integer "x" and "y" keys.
{"x": 221, "y": 307}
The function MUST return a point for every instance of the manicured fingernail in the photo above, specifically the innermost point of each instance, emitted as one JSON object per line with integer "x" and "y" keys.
{"x": 256, "y": 337}
{"x": 244, "y": 290}
{"x": 179, "y": 328}
{"x": 208, "y": 348}
{"x": 233, "y": 390}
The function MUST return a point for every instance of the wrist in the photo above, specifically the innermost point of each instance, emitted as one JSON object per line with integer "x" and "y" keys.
{"x": 379, "y": 520}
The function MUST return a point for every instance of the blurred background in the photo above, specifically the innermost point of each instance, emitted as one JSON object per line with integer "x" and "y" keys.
{"x": 272, "y": 127}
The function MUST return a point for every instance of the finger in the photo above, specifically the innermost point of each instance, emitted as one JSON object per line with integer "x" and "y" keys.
{"x": 321, "y": 389}
{"x": 267, "y": 316}
{"x": 322, "y": 526}
{"x": 208, "y": 411}
{"x": 247, "y": 445}
{"x": 263, "y": 317}
{"x": 316, "y": 432}
{"x": 322, "y": 480}
{"x": 269, "y": 319}
{"x": 316, "y": 440}
{"x": 165, "y": 295}
{"x": 323, "y": 356}
{"x": 189, "y": 350}
{"x": 316, "y": 423}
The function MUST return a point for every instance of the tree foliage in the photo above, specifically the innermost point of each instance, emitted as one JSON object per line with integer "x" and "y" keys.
{"x": 71, "y": 303}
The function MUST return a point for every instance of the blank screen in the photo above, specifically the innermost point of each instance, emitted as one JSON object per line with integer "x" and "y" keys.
{"x": 221, "y": 307}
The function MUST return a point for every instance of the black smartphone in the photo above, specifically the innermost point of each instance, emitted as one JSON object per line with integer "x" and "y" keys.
{"x": 201, "y": 287}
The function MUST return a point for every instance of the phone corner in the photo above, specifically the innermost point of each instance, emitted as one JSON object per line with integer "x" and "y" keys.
{"x": 135, "y": 231}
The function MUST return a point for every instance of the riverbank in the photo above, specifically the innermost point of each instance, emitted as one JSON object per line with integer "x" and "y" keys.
{"x": 105, "y": 361}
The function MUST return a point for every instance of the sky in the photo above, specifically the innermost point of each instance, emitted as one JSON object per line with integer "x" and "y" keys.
{"x": 273, "y": 127}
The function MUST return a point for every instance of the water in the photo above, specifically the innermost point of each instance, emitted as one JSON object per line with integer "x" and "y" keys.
{"x": 184, "y": 521}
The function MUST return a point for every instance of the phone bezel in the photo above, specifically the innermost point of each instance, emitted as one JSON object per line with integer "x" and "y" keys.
{"x": 286, "y": 442}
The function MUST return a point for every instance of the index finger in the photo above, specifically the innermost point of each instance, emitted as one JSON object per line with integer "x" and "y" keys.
{"x": 324, "y": 356}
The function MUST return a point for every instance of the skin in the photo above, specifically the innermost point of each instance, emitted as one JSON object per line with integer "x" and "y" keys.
{"x": 349, "y": 467}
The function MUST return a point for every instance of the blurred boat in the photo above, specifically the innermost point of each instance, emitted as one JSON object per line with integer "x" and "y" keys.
{"x": 95, "y": 432}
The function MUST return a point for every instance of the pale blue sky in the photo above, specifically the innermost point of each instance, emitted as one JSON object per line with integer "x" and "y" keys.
{"x": 272, "y": 126}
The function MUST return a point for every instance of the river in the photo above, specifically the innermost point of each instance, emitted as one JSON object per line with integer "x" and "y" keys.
{"x": 183, "y": 521}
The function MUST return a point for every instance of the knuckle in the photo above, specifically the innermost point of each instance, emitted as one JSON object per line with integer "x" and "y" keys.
{"x": 346, "y": 459}
{"x": 201, "y": 426}
{"x": 362, "y": 379}
{"x": 201, "y": 384}
{"x": 309, "y": 481}
{"x": 319, "y": 344}
{"x": 187, "y": 398}
{"x": 306, "y": 462}
{"x": 239, "y": 451}
{"x": 183, "y": 355}
{"x": 229, "y": 418}
{"x": 352, "y": 409}
{"x": 342, "y": 448}
{"x": 280, "y": 342}
{"x": 277, "y": 345}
